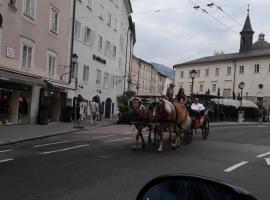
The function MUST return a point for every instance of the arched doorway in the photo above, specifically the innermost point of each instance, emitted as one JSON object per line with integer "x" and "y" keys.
{"x": 97, "y": 99}
{"x": 108, "y": 105}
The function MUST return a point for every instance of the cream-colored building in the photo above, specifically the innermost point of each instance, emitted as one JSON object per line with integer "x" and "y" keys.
{"x": 224, "y": 72}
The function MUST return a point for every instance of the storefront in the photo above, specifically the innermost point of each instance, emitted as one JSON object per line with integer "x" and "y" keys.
{"x": 16, "y": 97}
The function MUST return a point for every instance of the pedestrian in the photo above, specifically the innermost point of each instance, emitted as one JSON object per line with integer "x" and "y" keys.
{"x": 82, "y": 110}
{"x": 94, "y": 111}
{"x": 100, "y": 109}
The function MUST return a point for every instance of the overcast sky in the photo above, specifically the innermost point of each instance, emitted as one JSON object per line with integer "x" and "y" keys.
{"x": 179, "y": 33}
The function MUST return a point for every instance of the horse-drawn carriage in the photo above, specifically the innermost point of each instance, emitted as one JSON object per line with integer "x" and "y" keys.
{"x": 158, "y": 114}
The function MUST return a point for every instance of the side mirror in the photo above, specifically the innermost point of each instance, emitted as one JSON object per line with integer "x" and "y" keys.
{"x": 187, "y": 187}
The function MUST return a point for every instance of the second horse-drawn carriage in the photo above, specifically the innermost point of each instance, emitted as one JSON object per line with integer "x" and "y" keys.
{"x": 159, "y": 115}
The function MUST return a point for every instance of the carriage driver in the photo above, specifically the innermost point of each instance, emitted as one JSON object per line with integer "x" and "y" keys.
{"x": 168, "y": 93}
{"x": 197, "y": 109}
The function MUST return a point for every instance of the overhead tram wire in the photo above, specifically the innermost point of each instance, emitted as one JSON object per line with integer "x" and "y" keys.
{"x": 212, "y": 3}
{"x": 197, "y": 7}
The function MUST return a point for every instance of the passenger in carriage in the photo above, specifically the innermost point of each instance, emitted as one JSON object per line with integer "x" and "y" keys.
{"x": 181, "y": 96}
{"x": 197, "y": 109}
{"x": 168, "y": 93}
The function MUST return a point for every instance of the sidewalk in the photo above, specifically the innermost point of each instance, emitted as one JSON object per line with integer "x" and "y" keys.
{"x": 221, "y": 124}
{"x": 20, "y": 133}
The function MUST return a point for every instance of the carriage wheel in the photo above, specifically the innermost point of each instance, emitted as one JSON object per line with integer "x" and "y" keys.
{"x": 205, "y": 130}
{"x": 188, "y": 135}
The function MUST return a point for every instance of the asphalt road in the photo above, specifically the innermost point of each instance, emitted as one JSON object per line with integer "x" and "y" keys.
{"x": 99, "y": 164}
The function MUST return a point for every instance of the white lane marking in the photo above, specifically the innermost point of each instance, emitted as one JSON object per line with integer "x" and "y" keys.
{"x": 116, "y": 140}
{"x": 104, "y": 136}
{"x": 126, "y": 133}
{"x": 53, "y": 143}
{"x": 262, "y": 155}
{"x": 6, "y": 160}
{"x": 66, "y": 149}
{"x": 230, "y": 169}
{"x": 7, "y": 150}
{"x": 267, "y": 161}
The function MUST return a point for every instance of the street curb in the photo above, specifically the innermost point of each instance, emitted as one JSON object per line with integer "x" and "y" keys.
{"x": 52, "y": 135}
{"x": 240, "y": 124}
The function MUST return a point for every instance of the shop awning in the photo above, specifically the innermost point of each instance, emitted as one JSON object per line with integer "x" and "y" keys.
{"x": 15, "y": 77}
{"x": 57, "y": 86}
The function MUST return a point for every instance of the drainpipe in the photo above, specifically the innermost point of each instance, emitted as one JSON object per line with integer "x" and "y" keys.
{"x": 126, "y": 60}
{"x": 130, "y": 60}
{"x": 72, "y": 39}
{"x": 234, "y": 77}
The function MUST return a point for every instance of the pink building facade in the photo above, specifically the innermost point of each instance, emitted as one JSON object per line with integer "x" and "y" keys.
{"x": 34, "y": 55}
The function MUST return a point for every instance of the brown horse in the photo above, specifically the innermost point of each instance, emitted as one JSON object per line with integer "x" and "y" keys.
{"x": 171, "y": 115}
{"x": 141, "y": 116}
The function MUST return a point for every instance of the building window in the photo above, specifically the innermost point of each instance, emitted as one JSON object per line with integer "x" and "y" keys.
{"x": 85, "y": 73}
{"x": 229, "y": 71}
{"x": 106, "y": 80}
{"x": 100, "y": 42}
{"x": 206, "y": 72}
{"x": 98, "y": 80}
{"x": 217, "y": 72}
{"x": 29, "y": 9}
{"x": 227, "y": 93}
{"x": 12, "y": 3}
{"x": 181, "y": 74}
{"x": 214, "y": 87}
{"x": 26, "y": 54}
{"x": 198, "y": 73}
{"x": 107, "y": 47}
{"x": 113, "y": 81}
{"x": 115, "y": 24}
{"x": 116, "y": 3}
{"x": 77, "y": 29}
{"x": 51, "y": 63}
{"x": 121, "y": 43}
{"x": 109, "y": 23}
{"x": 257, "y": 68}
{"x": 54, "y": 21}
{"x": 101, "y": 14}
{"x": 87, "y": 35}
{"x": 241, "y": 69}
{"x": 90, "y": 4}
{"x": 201, "y": 88}
{"x": 114, "y": 51}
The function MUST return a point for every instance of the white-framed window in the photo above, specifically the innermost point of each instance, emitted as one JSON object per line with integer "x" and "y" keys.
{"x": 229, "y": 71}
{"x": 217, "y": 72}
{"x": 12, "y": 3}
{"x": 214, "y": 87}
{"x": 87, "y": 36}
{"x": 86, "y": 73}
{"x": 90, "y": 4}
{"x": 29, "y": 9}
{"x": 106, "y": 80}
{"x": 54, "y": 20}
{"x": 241, "y": 69}
{"x": 115, "y": 24}
{"x": 27, "y": 49}
{"x": 198, "y": 73}
{"x": 206, "y": 72}
{"x": 107, "y": 47}
{"x": 114, "y": 51}
{"x": 51, "y": 63}
{"x": 182, "y": 74}
{"x": 257, "y": 68}
{"x": 98, "y": 79}
{"x": 100, "y": 42}
{"x": 109, "y": 22}
{"x": 121, "y": 42}
{"x": 201, "y": 88}
{"x": 113, "y": 81}
{"x": 101, "y": 12}
{"x": 77, "y": 29}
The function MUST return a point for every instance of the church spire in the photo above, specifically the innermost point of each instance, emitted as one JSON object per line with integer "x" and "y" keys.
{"x": 246, "y": 35}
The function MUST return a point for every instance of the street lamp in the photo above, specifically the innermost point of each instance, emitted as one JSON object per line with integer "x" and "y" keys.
{"x": 241, "y": 87}
{"x": 192, "y": 75}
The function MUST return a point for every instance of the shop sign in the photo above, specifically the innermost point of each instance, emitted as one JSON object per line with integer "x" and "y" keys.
{"x": 10, "y": 52}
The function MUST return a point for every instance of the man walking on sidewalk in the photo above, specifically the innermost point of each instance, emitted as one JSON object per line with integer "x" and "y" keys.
{"x": 94, "y": 111}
